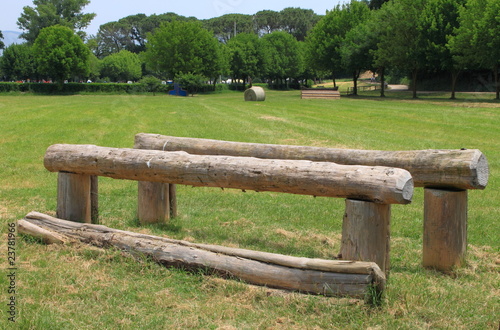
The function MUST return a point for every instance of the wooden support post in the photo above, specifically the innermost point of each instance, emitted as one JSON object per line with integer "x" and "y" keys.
{"x": 74, "y": 197}
{"x": 153, "y": 202}
{"x": 94, "y": 199}
{"x": 366, "y": 232}
{"x": 172, "y": 195}
{"x": 445, "y": 228}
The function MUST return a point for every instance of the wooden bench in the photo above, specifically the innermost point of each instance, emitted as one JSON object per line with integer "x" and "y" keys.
{"x": 320, "y": 93}
{"x": 445, "y": 175}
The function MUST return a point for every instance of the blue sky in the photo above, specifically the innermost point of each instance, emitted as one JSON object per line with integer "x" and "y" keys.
{"x": 113, "y": 10}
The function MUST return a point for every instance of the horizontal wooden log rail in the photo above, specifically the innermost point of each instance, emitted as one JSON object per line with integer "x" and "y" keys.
{"x": 317, "y": 276}
{"x": 449, "y": 169}
{"x": 320, "y": 93}
{"x": 377, "y": 184}
{"x": 446, "y": 175}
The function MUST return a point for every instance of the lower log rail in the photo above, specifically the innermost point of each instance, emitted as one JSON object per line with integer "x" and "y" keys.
{"x": 362, "y": 280}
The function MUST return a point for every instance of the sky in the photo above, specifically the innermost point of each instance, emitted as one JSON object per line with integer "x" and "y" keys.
{"x": 113, "y": 10}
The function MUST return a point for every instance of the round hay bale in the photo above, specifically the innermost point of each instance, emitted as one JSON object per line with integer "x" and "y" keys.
{"x": 255, "y": 94}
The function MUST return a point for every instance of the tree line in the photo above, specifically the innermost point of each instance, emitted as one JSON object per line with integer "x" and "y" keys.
{"x": 286, "y": 48}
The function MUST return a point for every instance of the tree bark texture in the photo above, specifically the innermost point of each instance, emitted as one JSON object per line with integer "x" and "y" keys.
{"x": 455, "y": 169}
{"x": 317, "y": 276}
{"x": 377, "y": 184}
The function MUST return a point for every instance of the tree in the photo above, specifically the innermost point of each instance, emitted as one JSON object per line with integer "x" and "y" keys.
{"x": 122, "y": 66}
{"x": 376, "y": 4}
{"x": 60, "y": 54}
{"x": 401, "y": 40}
{"x": 2, "y": 45}
{"x": 297, "y": 21}
{"x": 183, "y": 47}
{"x": 245, "y": 56}
{"x": 267, "y": 21}
{"x": 227, "y": 26}
{"x": 53, "y": 12}
{"x": 326, "y": 37}
{"x": 17, "y": 62}
{"x": 477, "y": 40}
{"x": 356, "y": 50}
{"x": 282, "y": 56}
{"x": 111, "y": 38}
{"x": 129, "y": 33}
{"x": 438, "y": 21}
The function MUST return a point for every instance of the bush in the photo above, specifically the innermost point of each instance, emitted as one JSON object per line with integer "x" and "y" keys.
{"x": 191, "y": 82}
{"x": 72, "y": 88}
{"x": 151, "y": 84}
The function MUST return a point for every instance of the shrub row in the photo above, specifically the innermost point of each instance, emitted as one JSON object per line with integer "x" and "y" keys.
{"x": 76, "y": 88}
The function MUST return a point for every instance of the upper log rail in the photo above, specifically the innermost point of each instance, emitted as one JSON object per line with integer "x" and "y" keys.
{"x": 446, "y": 169}
{"x": 375, "y": 184}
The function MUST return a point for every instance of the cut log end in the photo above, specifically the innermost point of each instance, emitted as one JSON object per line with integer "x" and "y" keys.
{"x": 482, "y": 171}
{"x": 407, "y": 190}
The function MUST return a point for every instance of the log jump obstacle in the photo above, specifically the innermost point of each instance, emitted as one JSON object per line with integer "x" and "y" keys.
{"x": 445, "y": 175}
{"x": 369, "y": 190}
{"x": 320, "y": 93}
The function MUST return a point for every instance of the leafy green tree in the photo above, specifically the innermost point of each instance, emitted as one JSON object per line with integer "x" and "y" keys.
{"x": 2, "y": 45}
{"x": 53, "y": 12}
{"x": 245, "y": 56}
{"x": 326, "y": 37}
{"x": 476, "y": 43}
{"x": 297, "y": 21}
{"x": 376, "y": 4}
{"x": 60, "y": 54}
{"x": 110, "y": 39}
{"x": 401, "y": 40}
{"x": 282, "y": 56}
{"x": 267, "y": 21}
{"x": 227, "y": 26}
{"x": 129, "y": 33}
{"x": 438, "y": 21}
{"x": 356, "y": 48}
{"x": 17, "y": 62}
{"x": 94, "y": 67}
{"x": 121, "y": 66}
{"x": 183, "y": 47}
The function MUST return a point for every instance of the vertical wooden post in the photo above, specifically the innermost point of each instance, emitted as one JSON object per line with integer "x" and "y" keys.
{"x": 73, "y": 197}
{"x": 445, "y": 228}
{"x": 94, "y": 199}
{"x": 366, "y": 232}
{"x": 172, "y": 195}
{"x": 153, "y": 202}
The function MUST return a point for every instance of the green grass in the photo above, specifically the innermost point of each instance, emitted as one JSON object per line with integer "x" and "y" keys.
{"x": 79, "y": 287}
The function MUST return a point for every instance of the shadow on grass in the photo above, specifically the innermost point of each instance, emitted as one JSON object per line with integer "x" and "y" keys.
{"x": 444, "y": 97}
{"x": 170, "y": 227}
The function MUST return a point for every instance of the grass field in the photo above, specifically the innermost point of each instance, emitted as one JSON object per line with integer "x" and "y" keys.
{"x": 79, "y": 287}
